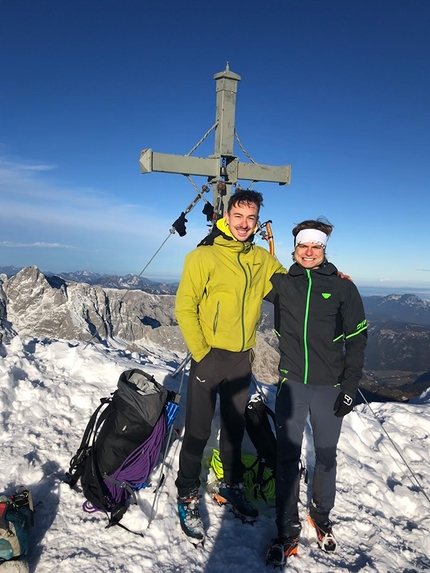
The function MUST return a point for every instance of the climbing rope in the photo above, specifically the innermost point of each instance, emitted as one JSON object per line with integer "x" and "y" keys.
{"x": 203, "y": 138}
{"x": 243, "y": 149}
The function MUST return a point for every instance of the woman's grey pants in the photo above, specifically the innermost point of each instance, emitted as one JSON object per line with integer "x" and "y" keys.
{"x": 293, "y": 403}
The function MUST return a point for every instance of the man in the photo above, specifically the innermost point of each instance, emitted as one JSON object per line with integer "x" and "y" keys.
{"x": 218, "y": 306}
{"x": 323, "y": 332}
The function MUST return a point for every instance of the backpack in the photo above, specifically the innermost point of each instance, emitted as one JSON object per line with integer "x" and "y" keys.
{"x": 257, "y": 418}
{"x": 122, "y": 443}
{"x": 262, "y": 471}
{"x": 264, "y": 489}
{"x": 16, "y": 520}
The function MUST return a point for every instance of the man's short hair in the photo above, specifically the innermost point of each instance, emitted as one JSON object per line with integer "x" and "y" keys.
{"x": 245, "y": 196}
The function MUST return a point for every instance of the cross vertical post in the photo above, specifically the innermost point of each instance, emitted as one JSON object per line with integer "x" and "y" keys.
{"x": 226, "y": 90}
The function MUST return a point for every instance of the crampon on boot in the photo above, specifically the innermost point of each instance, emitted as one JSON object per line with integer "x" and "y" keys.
{"x": 234, "y": 497}
{"x": 280, "y": 549}
{"x": 189, "y": 517}
{"x": 325, "y": 537}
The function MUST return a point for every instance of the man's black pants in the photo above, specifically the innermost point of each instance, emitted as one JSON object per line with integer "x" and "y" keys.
{"x": 229, "y": 374}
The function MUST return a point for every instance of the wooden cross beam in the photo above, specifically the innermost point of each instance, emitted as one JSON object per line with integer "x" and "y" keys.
{"x": 223, "y": 169}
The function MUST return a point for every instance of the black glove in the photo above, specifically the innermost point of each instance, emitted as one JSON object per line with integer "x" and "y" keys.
{"x": 208, "y": 210}
{"x": 179, "y": 225}
{"x": 344, "y": 404}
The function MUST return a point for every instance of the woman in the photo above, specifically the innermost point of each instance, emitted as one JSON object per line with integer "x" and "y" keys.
{"x": 322, "y": 336}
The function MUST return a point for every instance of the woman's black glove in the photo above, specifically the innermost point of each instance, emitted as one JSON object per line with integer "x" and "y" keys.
{"x": 344, "y": 404}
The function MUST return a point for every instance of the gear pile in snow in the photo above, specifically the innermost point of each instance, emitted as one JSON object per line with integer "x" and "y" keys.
{"x": 122, "y": 443}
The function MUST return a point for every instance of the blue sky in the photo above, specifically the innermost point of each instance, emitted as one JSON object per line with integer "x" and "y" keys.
{"x": 339, "y": 89}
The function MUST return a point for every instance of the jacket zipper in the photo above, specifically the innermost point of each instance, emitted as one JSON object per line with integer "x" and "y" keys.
{"x": 215, "y": 322}
{"x": 305, "y": 328}
{"x": 243, "y": 301}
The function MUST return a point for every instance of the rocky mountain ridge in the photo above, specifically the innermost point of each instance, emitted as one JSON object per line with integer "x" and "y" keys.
{"x": 53, "y": 307}
{"x": 33, "y": 304}
{"x": 129, "y": 281}
{"x": 402, "y": 308}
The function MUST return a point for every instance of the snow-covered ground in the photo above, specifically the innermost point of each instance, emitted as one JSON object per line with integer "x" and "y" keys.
{"x": 48, "y": 389}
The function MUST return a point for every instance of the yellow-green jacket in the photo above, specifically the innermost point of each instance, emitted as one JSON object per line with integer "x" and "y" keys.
{"x": 218, "y": 302}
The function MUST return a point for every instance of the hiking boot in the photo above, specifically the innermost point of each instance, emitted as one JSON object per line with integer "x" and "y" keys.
{"x": 325, "y": 537}
{"x": 234, "y": 496}
{"x": 281, "y": 548}
{"x": 189, "y": 517}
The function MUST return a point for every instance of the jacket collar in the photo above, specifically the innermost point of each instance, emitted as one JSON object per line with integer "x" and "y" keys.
{"x": 222, "y": 226}
{"x": 325, "y": 269}
{"x": 221, "y": 235}
{"x": 229, "y": 240}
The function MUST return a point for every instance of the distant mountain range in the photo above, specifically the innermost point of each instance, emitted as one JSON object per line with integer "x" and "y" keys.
{"x": 129, "y": 281}
{"x": 88, "y": 306}
{"x": 404, "y": 308}
{"x": 394, "y": 345}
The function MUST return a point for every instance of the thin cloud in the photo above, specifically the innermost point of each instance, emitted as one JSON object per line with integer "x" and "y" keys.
{"x": 35, "y": 205}
{"x": 39, "y": 244}
{"x": 28, "y": 195}
{"x": 424, "y": 270}
{"x": 13, "y": 166}
{"x": 41, "y": 167}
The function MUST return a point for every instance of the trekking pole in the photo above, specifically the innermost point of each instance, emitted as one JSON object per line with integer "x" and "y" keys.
{"x": 417, "y": 482}
{"x": 163, "y": 463}
{"x": 182, "y": 365}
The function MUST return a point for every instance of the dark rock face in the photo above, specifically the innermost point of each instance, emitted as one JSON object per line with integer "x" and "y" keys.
{"x": 396, "y": 345}
{"x": 6, "y": 330}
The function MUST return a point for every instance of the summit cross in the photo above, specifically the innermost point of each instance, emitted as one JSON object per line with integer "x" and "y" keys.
{"x": 222, "y": 169}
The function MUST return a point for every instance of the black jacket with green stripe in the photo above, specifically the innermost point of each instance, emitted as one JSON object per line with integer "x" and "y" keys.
{"x": 322, "y": 329}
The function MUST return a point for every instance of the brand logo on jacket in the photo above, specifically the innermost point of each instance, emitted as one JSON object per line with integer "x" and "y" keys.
{"x": 326, "y": 294}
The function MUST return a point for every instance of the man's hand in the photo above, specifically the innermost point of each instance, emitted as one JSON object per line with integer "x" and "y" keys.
{"x": 344, "y": 404}
{"x": 341, "y": 275}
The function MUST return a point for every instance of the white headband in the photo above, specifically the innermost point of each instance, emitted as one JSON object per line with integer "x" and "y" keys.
{"x": 311, "y": 236}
